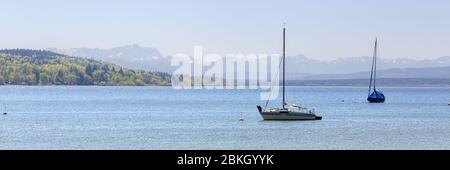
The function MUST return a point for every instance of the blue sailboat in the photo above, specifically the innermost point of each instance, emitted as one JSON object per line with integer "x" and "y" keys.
{"x": 375, "y": 96}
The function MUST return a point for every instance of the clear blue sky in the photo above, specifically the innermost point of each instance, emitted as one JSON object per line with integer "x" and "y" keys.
{"x": 322, "y": 29}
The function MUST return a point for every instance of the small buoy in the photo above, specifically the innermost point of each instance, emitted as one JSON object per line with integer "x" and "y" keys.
{"x": 5, "y": 113}
{"x": 342, "y": 100}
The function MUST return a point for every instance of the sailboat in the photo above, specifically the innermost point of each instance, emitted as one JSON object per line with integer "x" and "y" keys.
{"x": 287, "y": 111}
{"x": 375, "y": 96}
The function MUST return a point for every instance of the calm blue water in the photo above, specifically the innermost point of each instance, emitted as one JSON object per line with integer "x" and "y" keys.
{"x": 163, "y": 118}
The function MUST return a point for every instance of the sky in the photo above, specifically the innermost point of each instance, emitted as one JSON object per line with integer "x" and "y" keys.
{"x": 319, "y": 29}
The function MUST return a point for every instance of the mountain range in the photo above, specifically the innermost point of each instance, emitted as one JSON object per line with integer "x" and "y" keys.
{"x": 130, "y": 56}
{"x": 298, "y": 66}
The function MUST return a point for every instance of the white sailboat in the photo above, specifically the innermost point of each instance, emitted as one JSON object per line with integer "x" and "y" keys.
{"x": 287, "y": 111}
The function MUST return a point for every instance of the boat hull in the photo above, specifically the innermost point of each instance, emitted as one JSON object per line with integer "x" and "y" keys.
{"x": 289, "y": 116}
{"x": 376, "y": 100}
{"x": 376, "y": 97}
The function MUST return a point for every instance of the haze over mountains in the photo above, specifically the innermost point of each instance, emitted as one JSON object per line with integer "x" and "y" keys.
{"x": 298, "y": 67}
{"x": 130, "y": 56}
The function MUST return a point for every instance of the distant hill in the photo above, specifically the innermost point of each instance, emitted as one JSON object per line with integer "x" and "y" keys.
{"x": 39, "y": 67}
{"x": 429, "y": 72}
{"x": 391, "y": 82}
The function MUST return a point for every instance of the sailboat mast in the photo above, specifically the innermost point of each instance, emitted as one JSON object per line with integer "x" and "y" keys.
{"x": 375, "y": 72}
{"x": 284, "y": 64}
{"x": 373, "y": 67}
{"x": 203, "y": 75}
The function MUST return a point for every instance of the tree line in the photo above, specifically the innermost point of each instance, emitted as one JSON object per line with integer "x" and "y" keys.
{"x": 40, "y": 67}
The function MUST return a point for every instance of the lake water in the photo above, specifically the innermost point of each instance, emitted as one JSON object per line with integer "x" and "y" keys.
{"x": 164, "y": 118}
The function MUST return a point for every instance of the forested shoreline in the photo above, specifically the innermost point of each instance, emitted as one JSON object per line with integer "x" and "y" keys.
{"x": 40, "y": 67}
